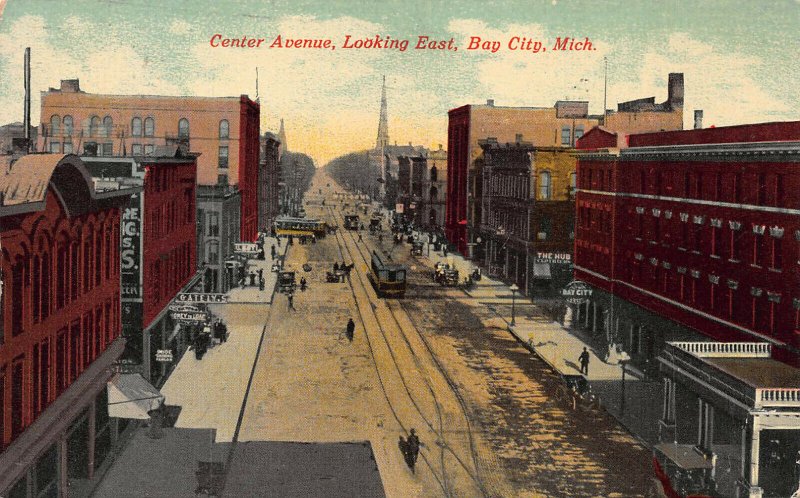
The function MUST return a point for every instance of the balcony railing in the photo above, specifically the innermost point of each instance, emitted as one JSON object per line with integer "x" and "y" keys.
{"x": 726, "y": 349}
{"x": 777, "y": 397}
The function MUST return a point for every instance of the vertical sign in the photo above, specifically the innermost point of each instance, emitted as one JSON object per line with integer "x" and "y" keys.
{"x": 131, "y": 249}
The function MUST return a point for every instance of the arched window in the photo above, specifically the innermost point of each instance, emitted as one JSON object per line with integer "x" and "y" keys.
{"x": 136, "y": 127}
{"x": 434, "y": 174}
{"x": 224, "y": 129}
{"x": 183, "y": 128}
{"x": 55, "y": 125}
{"x": 45, "y": 285}
{"x": 545, "y": 186}
{"x": 68, "y": 126}
{"x": 37, "y": 289}
{"x": 94, "y": 126}
{"x": 108, "y": 126}
{"x": 149, "y": 127}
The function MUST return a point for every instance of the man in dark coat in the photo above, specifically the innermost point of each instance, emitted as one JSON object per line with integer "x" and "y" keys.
{"x": 584, "y": 361}
{"x": 413, "y": 445}
{"x": 351, "y": 327}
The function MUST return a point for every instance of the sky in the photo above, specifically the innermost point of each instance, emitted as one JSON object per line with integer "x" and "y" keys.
{"x": 739, "y": 58}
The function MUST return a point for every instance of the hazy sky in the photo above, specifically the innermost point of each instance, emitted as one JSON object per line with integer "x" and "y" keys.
{"x": 739, "y": 58}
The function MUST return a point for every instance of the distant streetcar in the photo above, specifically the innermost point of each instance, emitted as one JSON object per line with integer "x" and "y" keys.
{"x": 351, "y": 222}
{"x": 389, "y": 280}
{"x": 298, "y": 227}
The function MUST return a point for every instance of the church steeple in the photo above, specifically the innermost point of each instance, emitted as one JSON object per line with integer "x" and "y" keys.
{"x": 282, "y": 137}
{"x": 383, "y": 124}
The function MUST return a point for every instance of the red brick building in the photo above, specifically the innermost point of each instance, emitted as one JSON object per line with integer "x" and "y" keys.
{"x": 60, "y": 327}
{"x": 689, "y": 234}
{"x": 158, "y": 248}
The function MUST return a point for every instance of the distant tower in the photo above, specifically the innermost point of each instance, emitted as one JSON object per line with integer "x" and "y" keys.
{"x": 383, "y": 124}
{"x": 282, "y": 137}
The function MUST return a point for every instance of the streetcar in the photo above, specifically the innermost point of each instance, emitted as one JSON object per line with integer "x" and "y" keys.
{"x": 388, "y": 280}
{"x": 298, "y": 227}
{"x": 351, "y": 222}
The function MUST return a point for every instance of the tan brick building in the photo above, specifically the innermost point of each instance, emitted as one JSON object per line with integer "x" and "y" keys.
{"x": 223, "y": 130}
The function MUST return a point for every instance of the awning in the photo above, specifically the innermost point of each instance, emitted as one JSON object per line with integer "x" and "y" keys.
{"x": 130, "y": 396}
{"x": 541, "y": 270}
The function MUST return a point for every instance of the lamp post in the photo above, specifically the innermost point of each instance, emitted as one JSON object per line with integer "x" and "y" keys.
{"x": 513, "y": 290}
{"x": 624, "y": 358}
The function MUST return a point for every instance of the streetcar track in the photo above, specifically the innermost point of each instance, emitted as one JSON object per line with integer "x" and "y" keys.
{"x": 476, "y": 478}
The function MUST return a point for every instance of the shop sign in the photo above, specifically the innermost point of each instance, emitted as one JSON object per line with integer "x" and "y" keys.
{"x": 164, "y": 355}
{"x": 184, "y": 307}
{"x": 576, "y": 292}
{"x": 202, "y": 298}
{"x": 189, "y": 316}
{"x": 131, "y": 250}
{"x": 554, "y": 258}
{"x": 246, "y": 247}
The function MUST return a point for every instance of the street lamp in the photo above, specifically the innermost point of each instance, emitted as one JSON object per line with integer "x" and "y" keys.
{"x": 513, "y": 290}
{"x": 624, "y": 358}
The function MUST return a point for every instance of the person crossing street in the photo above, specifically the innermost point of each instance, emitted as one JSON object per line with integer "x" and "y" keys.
{"x": 351, "y": 327}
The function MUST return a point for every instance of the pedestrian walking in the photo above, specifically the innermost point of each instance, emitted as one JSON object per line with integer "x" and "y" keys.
{"x": 302, "y": 284}
{"x": 261, "y": 283}
{"x": 413, "y": 445}
{"x": 273, "y": 251}
{"x": 223, "y": 336}
{"x": 359, "y": 237}
{"x": 290, "y": 299}
{"x": 335, "y": 266}
{"x": 584, "y": 361}
{"x": 406, "y": 452}
{"x": 351, "y": 328}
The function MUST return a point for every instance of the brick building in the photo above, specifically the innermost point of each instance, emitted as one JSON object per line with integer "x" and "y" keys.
{"x": 557, "y": 127}
{"x": 158, "y": 258}
{"x": 689, "y": 235}
{"x": 60, "y": 326}
{"x": 269, "y": 181}
{"x": 525, "y": 234}
{"x": 223, "y": 130}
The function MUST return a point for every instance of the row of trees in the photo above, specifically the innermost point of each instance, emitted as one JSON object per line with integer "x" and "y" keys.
{"x": 356, "y": 172}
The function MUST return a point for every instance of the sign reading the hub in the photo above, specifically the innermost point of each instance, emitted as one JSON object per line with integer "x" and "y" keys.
{"x": 576, "y": 292}
{"x": 202, "y": 298}
{"x": 554, "y": 258}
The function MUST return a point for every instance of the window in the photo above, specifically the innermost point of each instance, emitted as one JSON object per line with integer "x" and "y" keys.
{"x": 105, "y": 149}
{"x": 136, "y": 127}
{"x": 183, "y": 128}
{"x": 67, "y": 147}
{"x": 758, "y": 250}
{"x": 212, "y": 252}
{"x": 434, "y": 174}
{"x": 108, "y": 126}
{"x": 777, "y": 254}
{"x": 55, "y": 125}
{"x": 149, "y": 127}
{"x": 94, "y": 126}
{"x": 736, "y": 245}
{"x": 224, "y": 129}
{"x": 737, "y": 187}
{"x": 55, "y": 147}
{"x": 761, "y": 197}
{"x": 90, "y": 149}
{"x": 213, "y": 224}
{"x": 573, "y": 183}
{"x": 136, "y": 149}
{"x": 578, "y": 132}
{"x": 17, "y": 398}
{"x": 545, "y": 189}
{"x": 18, "y": 276}
{"x": 545, "y": 227}
{"x": 149, "y": 149}
{"x": 565, "y": 136}
{"x": 68, "y": 126}
{"x": 223, "y": 156}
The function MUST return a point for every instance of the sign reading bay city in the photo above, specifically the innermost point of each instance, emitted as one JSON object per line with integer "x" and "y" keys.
{"x": 576, "y": 292}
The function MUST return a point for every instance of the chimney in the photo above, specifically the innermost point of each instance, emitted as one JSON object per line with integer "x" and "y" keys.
{"x": 26, "y": 120}
{"x": 518, "y": 139}
{"x": 71, "y": 86}
{"x": 490, "y": 102}
{"x": 675, "y": 90}
{"x": 440, "y": 146}
{"x": 698, "y": 119}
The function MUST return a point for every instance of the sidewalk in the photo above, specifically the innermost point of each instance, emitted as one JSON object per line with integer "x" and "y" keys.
{"x": 252, "y": 294}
